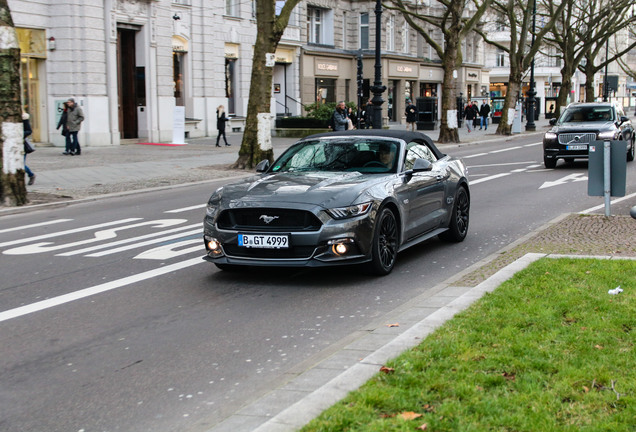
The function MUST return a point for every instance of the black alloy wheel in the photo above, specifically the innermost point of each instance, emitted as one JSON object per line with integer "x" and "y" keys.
{"x": 385, "y": 243}
{"x": 458, "y": 227}
{"x": 630, "y": 152}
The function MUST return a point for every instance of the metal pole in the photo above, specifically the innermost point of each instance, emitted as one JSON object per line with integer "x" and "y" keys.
{"x": 530, "y": 126}
{"x": 607, "y": 178}
{"x": 605, "y": 89}
{"x": 378, "y": 88}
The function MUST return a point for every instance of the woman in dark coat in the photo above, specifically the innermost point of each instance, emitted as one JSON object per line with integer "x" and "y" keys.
{"x": 220, "y": 124}
{"x": 67, "y": 136}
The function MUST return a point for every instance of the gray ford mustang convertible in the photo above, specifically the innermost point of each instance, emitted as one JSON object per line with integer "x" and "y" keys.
{"x": 352, "y": 197}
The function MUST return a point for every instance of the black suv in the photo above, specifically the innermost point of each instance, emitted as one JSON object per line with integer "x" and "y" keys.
{"x": 582, "y": 123}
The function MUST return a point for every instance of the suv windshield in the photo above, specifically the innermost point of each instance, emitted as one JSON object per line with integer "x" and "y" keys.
{"x": 362, "y": 154}
{"x": 586, "y": 114}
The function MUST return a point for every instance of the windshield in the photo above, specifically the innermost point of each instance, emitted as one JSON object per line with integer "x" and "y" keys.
{"x": 362, "y": 154}
{"x": 586, "y": 114}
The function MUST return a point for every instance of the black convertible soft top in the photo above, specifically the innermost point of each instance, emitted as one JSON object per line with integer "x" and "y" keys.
{"x": 404, "y": 135}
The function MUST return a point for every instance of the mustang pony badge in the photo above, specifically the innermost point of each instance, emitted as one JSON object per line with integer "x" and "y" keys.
{"x": 268, "y": 219}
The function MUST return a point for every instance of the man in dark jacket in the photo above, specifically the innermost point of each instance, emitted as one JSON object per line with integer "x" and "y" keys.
{"x": 484, "y": 112}
{"x": 340, "y": 119}
{"x": 469, "y": 114}
{"x": 74, "y": 119}
{"x": 411, "y": 115}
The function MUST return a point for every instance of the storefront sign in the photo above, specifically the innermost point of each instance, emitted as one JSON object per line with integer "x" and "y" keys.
{"x": 404, "y": 70}
{"x": 327, "y": 67}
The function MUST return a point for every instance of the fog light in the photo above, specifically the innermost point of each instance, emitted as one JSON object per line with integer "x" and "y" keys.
{"x": 340, "y": 246}
{"x": 214, "y": 247}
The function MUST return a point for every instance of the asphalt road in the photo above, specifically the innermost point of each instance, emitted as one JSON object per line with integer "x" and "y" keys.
{"x": 111, "y": 321}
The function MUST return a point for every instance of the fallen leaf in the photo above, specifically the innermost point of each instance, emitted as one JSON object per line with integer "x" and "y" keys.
{"x": 423, "y": 427}
{"x": 428, "y": 408}
{"x": 387, "y": 369}
{"x": 410, "y": 415}
{"x": 586, "y": 389}
{"x": 509, "y": 376}
{"x": 393, "y": 325}
{"x": 598, "y": 347}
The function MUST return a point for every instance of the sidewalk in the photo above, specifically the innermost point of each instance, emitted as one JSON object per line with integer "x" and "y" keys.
{"x": 116, "y": 169}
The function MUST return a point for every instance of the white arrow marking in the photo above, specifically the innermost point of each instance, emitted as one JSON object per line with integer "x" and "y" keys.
{"x": 577, "y": 177}
{"x": 198, "y": 231}
{"x": 172, "y": 250}
{"x": 98, "y": 236}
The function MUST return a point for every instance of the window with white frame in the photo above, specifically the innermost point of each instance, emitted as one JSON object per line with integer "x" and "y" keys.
{"x": 405, "y": 37}
{"x": 314, "y": 25}
{"x": 390, "y": 33}
{"x": 500, "y": 60}
{"x": 364, "y": 30}
{"x": 231, "y": 7}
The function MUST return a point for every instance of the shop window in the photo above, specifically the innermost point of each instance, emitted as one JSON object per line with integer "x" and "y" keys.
{"x": 178, "y": 77}
{"x": 325, "y": 90}
{"x": 230, "y": 87}
{"x": 364, "y": 31}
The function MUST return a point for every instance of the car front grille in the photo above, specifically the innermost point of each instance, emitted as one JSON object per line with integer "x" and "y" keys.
{"x": 268, "y": 220}
{"x": 294, "y": 252}
{"x": 570, "y": 138}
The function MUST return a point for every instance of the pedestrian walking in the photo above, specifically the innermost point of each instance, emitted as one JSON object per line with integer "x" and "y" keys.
{"x": 470, "y": 114}
{"x": 484, "y": 112}
{"x": 75, "y": 117}
{"x": 221, "y": 119}
{"x": 65, "y": 133}
{"x": 28, "y": 148}
{"x": 411, "y": 115}
{"x": 339, "y": 117}
{"x": 368, "y": 115}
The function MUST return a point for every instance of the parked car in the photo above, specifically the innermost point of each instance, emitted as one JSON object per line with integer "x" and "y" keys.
{"x": 582, "y": 123}
{"x": 351, "y": 197}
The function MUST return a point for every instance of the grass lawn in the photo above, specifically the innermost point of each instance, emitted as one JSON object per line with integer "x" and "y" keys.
{"x": 549, "y": 350}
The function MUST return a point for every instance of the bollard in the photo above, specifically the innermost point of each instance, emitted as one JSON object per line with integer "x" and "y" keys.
{"x": 632, "y": 212}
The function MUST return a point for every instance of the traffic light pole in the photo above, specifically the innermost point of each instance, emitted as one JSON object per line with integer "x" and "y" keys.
{"x": 378, "y": 88}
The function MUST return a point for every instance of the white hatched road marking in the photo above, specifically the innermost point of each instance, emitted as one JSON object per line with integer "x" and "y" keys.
{"x": 35, "y": 225}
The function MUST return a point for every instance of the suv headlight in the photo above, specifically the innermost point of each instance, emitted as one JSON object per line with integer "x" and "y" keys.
{"x": 550, "y": 136}
{"x": 350, "y": 211}
{"x": 213, "y": 203}
{"x": 607, "y": 135}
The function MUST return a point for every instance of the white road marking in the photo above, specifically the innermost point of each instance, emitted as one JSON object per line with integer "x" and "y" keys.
{"x": 149, "y": 242}
{"x": 505, "y": 149}
{"x": 97, "y": 289}
{"x": 172, "y": 250}
{"x": 128, "y": 240}
{"x": 492, "y": 177}
{"x": 72, "y": 231}
{"x": 576, "y": 177}
{"x": 590, "y": 210}
{"x": 98, "y": 236}
{"x": 533, "y": 144}
{"x": 22, "y": 227}
{"x": 184, "y": 209}
{"x": 499, "y": 164}
{"x": 474, "y": 155}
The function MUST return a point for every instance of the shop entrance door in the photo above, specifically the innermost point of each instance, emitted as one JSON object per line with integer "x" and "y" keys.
{"x": 126, "y": 84}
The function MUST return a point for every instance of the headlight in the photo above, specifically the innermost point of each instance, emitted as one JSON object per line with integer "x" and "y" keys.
{"x": 550, "y": 135}
{"x": 350, "y": 211}
{"x": 608, "y": 135}
{"x": 213, "y": 203}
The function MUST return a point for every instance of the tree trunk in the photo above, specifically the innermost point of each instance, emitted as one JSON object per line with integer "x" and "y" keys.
{"x": 589, "y": 82}
{"x": 449, "y": 134}
{"x": 12, "y": 187}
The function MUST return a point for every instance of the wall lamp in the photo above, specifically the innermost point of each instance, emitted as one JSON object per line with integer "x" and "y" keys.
{"x": 176, "y": 17}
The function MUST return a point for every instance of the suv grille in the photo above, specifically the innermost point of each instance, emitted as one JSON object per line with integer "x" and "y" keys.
{"x": 294, "y": 252}
{"x": 567, "y": 138}
{"x": 280, "y": 220}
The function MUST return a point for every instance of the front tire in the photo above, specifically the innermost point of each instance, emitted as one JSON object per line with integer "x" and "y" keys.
{"x": 458, "y": 226}
{"x": 549, "y": 163}
{"x": 385, "y": 243}
{"x": 630, "y": 153}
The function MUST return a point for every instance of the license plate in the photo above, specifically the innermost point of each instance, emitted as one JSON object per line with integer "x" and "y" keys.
{"x": 264, "y": 241}
{"x": 577, "y": 147}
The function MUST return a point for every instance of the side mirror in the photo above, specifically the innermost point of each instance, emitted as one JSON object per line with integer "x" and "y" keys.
{"x": 624, "y": 119}
{"x": 422, "y": 165}
{"x": 262, "y": 166}
{"x": 553, "y": 121}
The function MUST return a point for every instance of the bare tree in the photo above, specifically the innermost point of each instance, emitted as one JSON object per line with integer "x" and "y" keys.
{"x": 603, "y": 28}
{"x": 518, "y": 17}
{"x": 12, "y": 187}
{"x": 452, "y": 18}
{"x": 270, "y": 29}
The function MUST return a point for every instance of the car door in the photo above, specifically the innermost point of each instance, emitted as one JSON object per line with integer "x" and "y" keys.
{"x": 425, "y": 190}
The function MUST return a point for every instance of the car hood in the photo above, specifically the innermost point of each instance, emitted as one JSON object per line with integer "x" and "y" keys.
{"x": 326, "y": 189}
{"x": 584, "y": 127}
